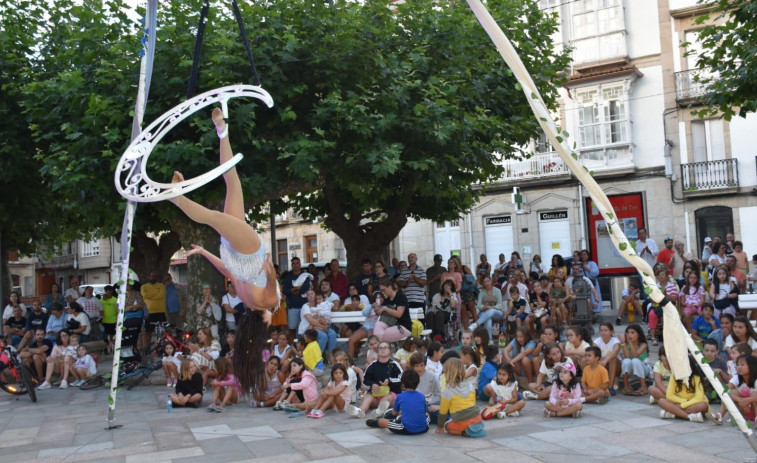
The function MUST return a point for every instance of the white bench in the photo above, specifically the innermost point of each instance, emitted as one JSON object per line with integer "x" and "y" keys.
{"x": 748, "y": 302}
{"x": 356, "y": 316}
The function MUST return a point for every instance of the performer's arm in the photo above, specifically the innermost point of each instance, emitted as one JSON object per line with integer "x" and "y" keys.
{"x": 212, "y": 258}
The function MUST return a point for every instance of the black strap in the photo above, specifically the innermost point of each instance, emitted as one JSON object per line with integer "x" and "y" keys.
{"x": 193, "y": 78}
{"x": 192, "y": 85}
{"x": 246, "y": 42}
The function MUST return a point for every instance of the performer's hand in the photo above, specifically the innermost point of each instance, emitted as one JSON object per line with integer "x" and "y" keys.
{"x": 268, "y": 267}
{"x": 267, "y": 317}
{"x": 195, "y": 250}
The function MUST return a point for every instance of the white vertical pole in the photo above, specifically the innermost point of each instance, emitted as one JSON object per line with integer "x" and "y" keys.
{"x": 688, "y": 231}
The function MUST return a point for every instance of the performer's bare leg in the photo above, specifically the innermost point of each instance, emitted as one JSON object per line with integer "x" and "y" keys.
{"x": 230, "y": 224}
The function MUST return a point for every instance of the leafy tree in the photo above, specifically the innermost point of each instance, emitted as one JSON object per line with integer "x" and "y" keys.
{"x": 729, "y": 57}
{"x": 381, "y": 114}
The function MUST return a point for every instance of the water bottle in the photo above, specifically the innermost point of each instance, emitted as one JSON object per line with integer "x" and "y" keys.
{"x": 169, "y": 404}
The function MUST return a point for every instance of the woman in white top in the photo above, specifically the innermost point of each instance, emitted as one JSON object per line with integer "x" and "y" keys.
{"x": 15, "y": 299}
{"x": 204, "y": 351}
{"x": 228, "y": 302}
{"x": 609, "y": 344}
{"x": 742, "y": 331}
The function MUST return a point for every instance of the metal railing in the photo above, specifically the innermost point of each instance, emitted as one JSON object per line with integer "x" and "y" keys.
{"x": 710, "y": 175}
{"x": 686, "y": 85}
{"x": 537, "y": 166}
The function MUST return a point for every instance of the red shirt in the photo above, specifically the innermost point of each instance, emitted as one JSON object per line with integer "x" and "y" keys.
{"x": 339, "y": 284}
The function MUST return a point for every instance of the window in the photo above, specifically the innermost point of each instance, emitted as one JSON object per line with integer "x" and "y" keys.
{"x": 708, "y": 140}
{"x": 602, "y": 115}
{"x": 598, "y": 30}
{"x": 282, "y": 255}
{"x": 311, "y": 248}
{"x": 543, "y": 145}
{"x": 90, "y": 249}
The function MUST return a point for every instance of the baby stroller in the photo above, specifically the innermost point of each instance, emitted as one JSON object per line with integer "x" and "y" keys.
{"x": 130, "y": 336}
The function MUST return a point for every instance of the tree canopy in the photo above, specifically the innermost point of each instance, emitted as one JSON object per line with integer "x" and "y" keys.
{"x": 729, "y": 57}
{"x": 380, "y": 114}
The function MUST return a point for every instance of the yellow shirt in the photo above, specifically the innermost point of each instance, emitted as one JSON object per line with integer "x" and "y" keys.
{"x": 684, "y": 397}
{"x": 457, "y": 403}
{"x": 154, "y": 295}
{"x": 596, "y": 377}
{"x": 312, "y": 355}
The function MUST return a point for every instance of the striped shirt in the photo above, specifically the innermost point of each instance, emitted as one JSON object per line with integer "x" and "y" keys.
{"x": 414, "y": 292}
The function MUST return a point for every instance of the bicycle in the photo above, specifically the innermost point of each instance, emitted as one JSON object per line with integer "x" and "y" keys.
{"x": 15, "y": 377}
{"x": 179, "y": 340}
{"x": 128, "y": 370}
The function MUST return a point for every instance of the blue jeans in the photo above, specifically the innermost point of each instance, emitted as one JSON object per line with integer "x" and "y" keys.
{"x": 485, "y": 318}
{"x": 326, "y": 340}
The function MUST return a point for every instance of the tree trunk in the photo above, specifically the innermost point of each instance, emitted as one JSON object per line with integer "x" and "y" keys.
{"x": 5, "y": 284}
{"x": 199, "y": 269}
{"x": 150, "y": 255}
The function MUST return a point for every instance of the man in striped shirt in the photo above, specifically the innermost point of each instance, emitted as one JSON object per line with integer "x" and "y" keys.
{"x": 412, "y": 280}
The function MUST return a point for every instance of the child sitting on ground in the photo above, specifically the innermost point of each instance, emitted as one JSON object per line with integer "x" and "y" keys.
{"x": 565, "y": 396}
{"x": 354, "y": 375}
{"x": 740, "y": 384}
{"x": 189, "y": 387}
{"x": 519, "y": 353}
{"x": 662, "y": 374}
{"x": 409, "y": 410}
{"x": 84, "y": 367}
{"x": 433, "y": 364}
{"x": 719, "y": 367}
{"x": 541, "y": 388}
{"x": 470, "y": 360}
{"x": 226, "y": 387}
{"x": 488, "y": 371}
{"x": 409, "y": 346}
{"x": 459, "y": 401}
{"x": 171, "y": 364}
{"x": 300, "y": 389}
{"x": 503, "y": 394}
{"x": 595, "y": 382}
{"x": 372, "y": 354}
{"x": 466, "y": 340}
{"x": 336, "y": 394}
{"x": 685, "y": 401}
{"x": 429, "y": 385}
{"x": 274, "y": 378}
{"x": 312, "y": 355}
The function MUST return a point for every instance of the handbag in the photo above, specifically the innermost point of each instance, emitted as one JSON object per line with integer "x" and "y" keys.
{"x": 389, "y": 320}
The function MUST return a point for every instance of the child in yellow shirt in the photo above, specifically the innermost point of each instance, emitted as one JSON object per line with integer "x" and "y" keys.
{"x": 595, "y": 382}
{"x": 312, "y": 353}
{"x": 685, "y": 401}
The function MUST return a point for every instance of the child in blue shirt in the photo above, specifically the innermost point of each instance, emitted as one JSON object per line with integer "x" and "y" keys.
{"x": 488, "y": 371}
{"x": 409, "y": 411}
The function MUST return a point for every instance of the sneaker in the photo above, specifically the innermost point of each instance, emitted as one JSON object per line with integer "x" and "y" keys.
{"x": 716, "y": 418}
{"x": 528, "y": 395}
{"x": 602, "y": 400}
{"x": 381, "y": 409}
{"x": 652, "y": 400}
{"x": 696, "y": 418}
{"x": 583, "y": 400}
{"x": 354, "y": 411}
{"x": 372, "y": 423}
{"x": 169, "y": 383}
{"x": 666, "y": 415}
{"x": 64, "y": 384}
{"x": 472, "y": 326}
{"x": 219, "y": 410}
{"x": 654, "y": 341}
{"x": 546, "y": 413}
{"x": 78, "y": 382}
{"x": 618, "y": 321}
{"x": 280, "y": 405}
{"x": 613, "y": 391}
{"x": 44, "y": 385}
{"x": 212, "y": 408}
{"x": 174, "y": 382}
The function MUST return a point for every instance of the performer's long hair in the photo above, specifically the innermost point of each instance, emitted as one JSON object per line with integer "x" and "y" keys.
{"x": 249, "y": 344}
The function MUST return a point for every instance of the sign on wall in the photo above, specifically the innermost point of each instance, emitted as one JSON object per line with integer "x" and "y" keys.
{"x": 629, "y": 209}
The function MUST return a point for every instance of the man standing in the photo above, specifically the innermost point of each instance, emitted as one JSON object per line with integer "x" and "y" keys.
{"x": 412, "y": 281}
{"x": 176, "y": 297}
{"x": 73, "y": 293}
{"x": 680, "y": 258}
{"x": 667, "y": 255}
{"x": 736, "y": 272}
{"x": 730, "y": 241}
{"x": 295, "y": 295}
{"x": 338, "y": 280}
{"x": 707, "y": 251}
{"x": 646, "y": 247}
{"x": 434, "y": 277}
{"x": 365, "y": 280}
{"x": 229, "y": 302}
{"x": 154, "y": 294}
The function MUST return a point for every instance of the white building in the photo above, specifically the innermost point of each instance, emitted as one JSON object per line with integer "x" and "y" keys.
{"x": 627, "y": 105}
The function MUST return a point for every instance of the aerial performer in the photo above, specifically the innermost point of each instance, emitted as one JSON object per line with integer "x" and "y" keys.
{"x": 243, "y": 261}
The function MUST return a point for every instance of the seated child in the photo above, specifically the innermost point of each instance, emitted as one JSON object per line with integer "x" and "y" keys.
{"x": 662, "y": 374}
{"x": 226, "y": 387}
{"x": 372, "y": 354}
{"x": 434, "y": 354}
{"x": 84, "y": 367}
{"x": 557, "y": 298}
{"x": 459, "y": 401}
{"x": 685, "y": 401}
{"x": 738, "y": 351}
{"x": 429, "y": 384}
{"x": 705, "y": 324}
{"x": 275, "y": 378}
{"x": 171, "y": 364}
{"x": 354, "y": 375}
{"x": 189, "y": 386}
{"x": 470, "y": 360}
{"x": 312, "y": 353}
{"x": 503, "y": 394}
{"x": 409, "y": 410}
{"x": 565, "y": 396}
{"x": 719, "y": 367}
{"x": 336, "y": 394}
{"x": 541, "y": 388}
{"x": 488, "y": 371}
{"x": 519, "y": 307}
{"x": 409, "y": 346}
{"x": 519, "y": 353}
{"x": 595, "y": 382}
{"x": 300, "y": 389}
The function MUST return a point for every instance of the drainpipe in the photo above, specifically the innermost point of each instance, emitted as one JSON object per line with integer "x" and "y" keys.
{"x": 581, "y": 215}
{"x": 470, "y": 240}
{"x": 669, "y": 157}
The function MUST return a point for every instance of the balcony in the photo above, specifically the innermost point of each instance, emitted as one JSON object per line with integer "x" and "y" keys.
{"x": 538, "y": 166}
{"x": 709, "y": 176}
{"x": 688, "y": 90}
{"x": 616, "y": 158}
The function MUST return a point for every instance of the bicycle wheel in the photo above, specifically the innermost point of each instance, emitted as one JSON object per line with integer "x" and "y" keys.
{"x": 29, "y": 383}
{"x": 92, "y": 383}
{"x": 149, "y": 353}
{"x": 145, "y": 374}
{"x": 11, "y": 382}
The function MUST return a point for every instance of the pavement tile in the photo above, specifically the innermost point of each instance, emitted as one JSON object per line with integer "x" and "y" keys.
{"x": 66, "y": 451}
{"x": 166, "y": 455}
{"x": 498, "y": 456}
{"x": 352, "y": 439}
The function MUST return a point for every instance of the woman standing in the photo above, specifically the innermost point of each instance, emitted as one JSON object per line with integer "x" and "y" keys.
{"x": 204, "y": 314}
{"x": 393, "y": 307}
{"x": 454, "y": 273}
{"x": 54, "y": 297}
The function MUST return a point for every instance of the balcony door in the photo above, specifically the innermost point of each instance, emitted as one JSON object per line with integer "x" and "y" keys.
{"x": 712, "y": 221}
{"x": 709, "y": 169}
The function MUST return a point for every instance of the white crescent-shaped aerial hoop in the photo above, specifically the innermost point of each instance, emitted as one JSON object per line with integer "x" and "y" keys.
{"x": 131, "y": 178}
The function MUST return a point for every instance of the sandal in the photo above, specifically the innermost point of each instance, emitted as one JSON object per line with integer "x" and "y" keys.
{"x": 627, "y": 391}
{"x": 717, "y": 418}
{"x": 638, "y": 393}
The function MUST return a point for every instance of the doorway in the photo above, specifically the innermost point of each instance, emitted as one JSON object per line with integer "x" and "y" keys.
{"x": 712, "y": 221}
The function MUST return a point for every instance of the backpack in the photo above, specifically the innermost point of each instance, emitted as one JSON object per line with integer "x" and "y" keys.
{"x": 417, "y": 329}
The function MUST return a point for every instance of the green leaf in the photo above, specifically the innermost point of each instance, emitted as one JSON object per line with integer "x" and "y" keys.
{"x": 705, "y": 361}
{"x": 622, "y": 246}
{"x": 647, "y": 290}
{"x": 713, "y": 394}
